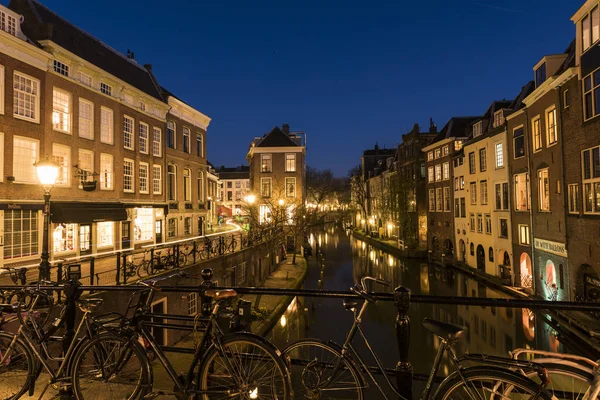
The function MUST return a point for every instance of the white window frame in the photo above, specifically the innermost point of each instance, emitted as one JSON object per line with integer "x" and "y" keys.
{"x": 431, "y": 200}
{"x": 61, "y": 154}
{"x": 199, "y": 145}
{"x": 107, "y": 123}
{"x": 551, "y": 130}
{"x": 31, "y": 96}
{"x": 171, "y": 132}
{"x": 524, "y": 234}
{"x": 430, "y": 156}
{"x": 499, "y": 150}
{"x": 187, "y": 184}
{"x": 482, "y": 160}
{"x": 566, "y": 99}
{"x": 473, "y": 192}
{"x": 445, "y": 151}
{"x": 128, "y": 134}
{"x": 107, "y": 171}
{"x": 590, "y": 29}
{"x": 86, "y": 79}
{"x": 156, "y": 179}
{"x": 488, "y": 223}
{"x": 439, "y": 200}
{"x": 479, "y": 223}
{"x": 431, "y": 176}
{"x": 483, "y": 188}
{"x": 477, "y": 128}
{"x": 172, "y": 179}
{"x": 85, "y": 174}
{"x": 543, "y": 189}
{"x": 85, "y": 121}
{"x": 536, "y": 134}
{"x": 144, "y": 176}
{"x": 61, "y": 119}
{"x": 289, "y": 180}
{"x": 573, "y": 198}
{"x": 290, "y": 162}
{"x": 446, "y": 171}
{"x": 438, "y": 172}
{"x": 105, "y": 88}
{"x": 23, "y": 159}
{"x": 143, "y": 133}
{"x": 187, "y": 140}
{"x": 156, "y": 141}
{"x": 447, "y": 199}
{"x": 263, "y": 193}
{"x": 590, "y": 188}
{"x": 437, "y": 153}
{"x": 527, "y": 192}
{"x": 2, "y": 89}
{"x": 128, "y": 179}
{"x": 499, "y": 118}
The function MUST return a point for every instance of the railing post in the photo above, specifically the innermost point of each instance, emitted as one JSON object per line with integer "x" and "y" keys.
{"x": 205, "y": 301}
{"x": 194, "y": 251}
{"x": 118, "y": 276}
{"x": 177, "y": 256}
{"x": 92, "y": 270}
{"x": 59, "y": 268}
{"x": 404, "y": 371}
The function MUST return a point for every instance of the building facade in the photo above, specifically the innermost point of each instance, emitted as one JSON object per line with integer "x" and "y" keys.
{"x": 235, "y": 186}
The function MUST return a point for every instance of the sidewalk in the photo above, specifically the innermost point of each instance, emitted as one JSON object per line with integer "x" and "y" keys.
{"x": 286, "y": 275}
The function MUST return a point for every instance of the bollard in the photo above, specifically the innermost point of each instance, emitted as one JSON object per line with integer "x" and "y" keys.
{"x": 205, "y": 301}
{"x": 404, "y": 372}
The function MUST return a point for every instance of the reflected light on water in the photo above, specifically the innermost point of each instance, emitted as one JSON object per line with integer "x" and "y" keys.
{"x": 391, "y": 261}
{"x": 372, "y": 255}
{"x": 283, "y": 321}
{"x": 326, "y": 238}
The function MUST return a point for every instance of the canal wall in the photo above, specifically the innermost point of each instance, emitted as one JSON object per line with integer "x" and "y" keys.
{"x": 391, "y": 247}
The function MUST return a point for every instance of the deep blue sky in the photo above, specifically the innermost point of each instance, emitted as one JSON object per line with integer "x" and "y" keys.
{"x": 349, "y": 73}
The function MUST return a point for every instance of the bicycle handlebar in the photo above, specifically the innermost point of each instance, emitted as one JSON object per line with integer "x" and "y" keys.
{"x": 364, "y": 279}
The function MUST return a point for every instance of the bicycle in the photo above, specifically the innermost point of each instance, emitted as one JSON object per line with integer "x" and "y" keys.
{"x": 157, "y": 262}
{"x": 235, "y": 365}
{"x": 571, "y": 377}
{"x": 325, "y": 370}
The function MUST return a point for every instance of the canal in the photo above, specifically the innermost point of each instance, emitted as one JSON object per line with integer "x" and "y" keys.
{"x": 491, "y": 330}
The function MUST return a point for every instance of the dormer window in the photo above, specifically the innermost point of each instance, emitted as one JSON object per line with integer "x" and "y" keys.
{"x": 498, "y": 118}
{"x": 477, "y": 129}
{"x": 61, "y": 68}
{"x": 8, "y": 23}
{"x": 590, "y": 29}
{"x": 540, "y": 75}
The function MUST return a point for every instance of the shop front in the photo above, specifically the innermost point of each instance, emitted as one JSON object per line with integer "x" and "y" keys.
{"x": 551, "y": 266}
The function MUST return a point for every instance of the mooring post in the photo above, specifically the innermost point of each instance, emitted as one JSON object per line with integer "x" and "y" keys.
{"x": 206, "y": 284}
{"x": 404, "y": 371}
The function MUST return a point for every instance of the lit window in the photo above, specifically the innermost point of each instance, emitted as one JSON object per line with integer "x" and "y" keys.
{"x": 26, "y": 97}
{"x": 85, "y": 166}
{"x": 430, "y": 174}
{"x": 156, "y": 142}
{"x": 62, "y": 156}
{"x": 25, "y": 154}
{"x": 590, "y": 29}
{"x": 551, "y": 127}
{"x": 156, "y": 179}
{"x": 2, "y": 89}
{"x": 499, "y": 155}
{"x": 458, "y": 144}
{"x": 445, "y": 151}
{"x": 187, "y": 184}
{"x": 128, "y": 125}
{"x": 447, "y": 198}
{"x": 544, "y": 190}
{"x": 265, "y": 163}
{"x": 430, "y": 156}
{"x": 524, "y": 234}
{"x": 143, "y": 137}
{"x": 522, "y": 200}
{"x": 439, "y": 200}
{"x": 171, "y": 182}
{"x": 172, "y": 227}
{"x": 290, "y": 187}
{"x": 63, "y": 238}
{"x": 438, "y": 153}
{"x": 438, "y": 173}
{"x": 143, "y": 177}
{"x": 536, "y": 134}
{"x": 446, "y": 171}
{"x": 591, "y": 180}
{"x": 106, "y": 171}
{"x": 106, "y": 125}
{"x": 573, "y": 198}
{"x": 290, "y": 163}
{"x": 265, "y": 187}
{"x": 86, "y": 119}
{"x": 128, "y": 176}
{"x": 106, "y": 234}
{"x": 61, "y": 111}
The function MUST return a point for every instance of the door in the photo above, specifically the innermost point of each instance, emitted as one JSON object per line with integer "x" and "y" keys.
{"x": 159, "y": 334}
{"x": 200, "y": 226}
{"x": 158, "y": 231}
{"x": 85, "y": 239}
{"x": 125, "y": 234}
{"x": 480, "y": 258}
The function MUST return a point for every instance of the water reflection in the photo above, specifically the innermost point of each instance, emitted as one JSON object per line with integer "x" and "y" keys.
{"x": 491, "y": 330}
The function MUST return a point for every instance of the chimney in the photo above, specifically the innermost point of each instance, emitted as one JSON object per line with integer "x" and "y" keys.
{"x": 148, "y": 67}
{"x": 432, "y": 126}
{"x": 286, "y": 128}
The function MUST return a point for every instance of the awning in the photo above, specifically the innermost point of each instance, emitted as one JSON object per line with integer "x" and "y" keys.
{"x": 83, "y": 213}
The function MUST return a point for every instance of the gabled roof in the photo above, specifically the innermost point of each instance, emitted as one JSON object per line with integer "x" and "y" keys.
{"x": 40, "y": 23}
{"x": 276, "y": 138}
{"x": 456, "y": 127}
{"x": 526, "y": 90}
{"x": 570, "y": 60}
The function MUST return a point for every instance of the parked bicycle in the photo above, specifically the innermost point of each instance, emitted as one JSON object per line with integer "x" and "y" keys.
{"x": 153, "y": 264}
{"x": 237, "y": 365}
{"x": 325, "y": 370}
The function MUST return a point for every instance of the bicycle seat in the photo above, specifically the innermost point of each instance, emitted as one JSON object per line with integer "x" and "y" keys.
{"x": 443, "y": 329}
{"x": 89, "y": 304}
{"x": 220, "y": 294}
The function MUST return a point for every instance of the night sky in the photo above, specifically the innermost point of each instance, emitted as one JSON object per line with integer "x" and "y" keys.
{"x": 348, "y": 73}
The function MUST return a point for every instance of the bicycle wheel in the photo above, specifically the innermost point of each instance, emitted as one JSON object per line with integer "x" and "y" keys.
{"x": 110, "y": 368}
{"x": 249, "y": 367}
{"x": 16, "y": 367}
{"x": 569, "y": 382}
{"x": 488, "y": 382}
{"x": 311, "y": 364}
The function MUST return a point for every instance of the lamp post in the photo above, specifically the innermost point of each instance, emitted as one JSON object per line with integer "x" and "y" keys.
{"x": 47, "y": 172}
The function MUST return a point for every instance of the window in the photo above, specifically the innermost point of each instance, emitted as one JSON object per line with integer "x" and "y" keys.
{"x": 171, "y": 134}
{"x": 524, "y": 234}
{"x": 503, "y": 228}
{"x": 482, "y": 160}
{"x": 128, "y": 175}
{"x": 438, "y": 173}
{"x": 519, "y": 140}
{"x": 430, "y": 156}
{"x": 458, "y": 144}
{"x": 86, "y": 119}
{"x": 439, "y": 200}
{"x": 438, "y": 153}
{"x": 171, "y": 182}
{"x": 264, "y": 213}
{"x": 290, "y": 187}
{"x": 106, "y": 171}
{"x": 488, "y": 224}
{"x": 265, "y": 163}
{"x": 536, "y": 134}
{"x": 192, "y": 303}
{"x": 106, "y": 234}
{"x": 238, "y": 184}
{"x": 85, "y": 79}
{"x": 540, "y": 75}
{"x": 61, "y": 111}
{"x": 128, "y": 124}
{"x": 2, "y": 89}
{"x": 479, "y": 223}
{"x": 186, "y": 140}
{"x": 551, "y": 127}
{"x": 472, "y": 251}
{"x": 501, "y": 190}
{"x": 21, "y": 233}
{"x": 199, "y": 147}
{"x": 156, "y": 142}
{"x": 456, "y": 184}
{"x": 156, "y": 179}
{"x": 106, "y": 89}
{"x": 106, "y": 125}
{"x": 484, "y": 192}
{"x": 463, "y": 207}
{"x": 591, "y": 180}
{"x": 290, "y": 163}
{"x": 187, "y": 226}
{"x": 573, "y": 191}
{"x": 472, "y": 224}
{"x": 25, "y": 154}
{"x": 447, "y": 198}
{"x": 566, "y": 100}
{"x": 431, "y": 200}
{"x": 62, "y": 156}
{"x": 522, "y": 200}
{"x": 143, "y": 137}
{"x": 445, "y": 151}
{"x": 8, "y": 23}
{"x": 543, "y": 190}
{"x": 172, "y": 227}
{"x": 187, "y": 184}
{"x": 491, "y": 259}
{"x": 61, "y": 68}
{"x": 498, "y": 118}
{"x": 499, "y": 155}
{"x": 472, "y": 163}
{"x": 459, "y": 208}
{"x": 265, "y": 187}
{"x": 473, "y": 189}
{"x": 430, "y": 174}
{"x": 446, "y": 171}
{"x": 144, "y": 177}
{"x": 477, "y": 128}
{"x": 26, "y": 97}
{"x": 200, "y": 186}
{"x": 590, "y": 29}
{"x": 462, "y": 182}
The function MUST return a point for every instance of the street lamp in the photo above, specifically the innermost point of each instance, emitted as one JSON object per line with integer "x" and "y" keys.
{"x": 47, "y": 172}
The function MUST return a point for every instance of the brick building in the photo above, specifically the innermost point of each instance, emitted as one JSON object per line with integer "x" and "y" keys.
{"x": 235, "y": 185}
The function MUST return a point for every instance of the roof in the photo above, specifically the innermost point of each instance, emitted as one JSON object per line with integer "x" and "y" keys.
{"x": 456, "y": 127}
{"x": 526, "y": 90}
{"x": 40, "y": 23}
{"x": 240, "y": 172}
{"x": 276, "y": 138}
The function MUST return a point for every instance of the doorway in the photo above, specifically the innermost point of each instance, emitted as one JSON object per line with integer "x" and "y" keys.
{"x": 159, "y": 334}
{"x": 125, "y": 234}
{"x": 158, "y": 229}
{"x": 200, "y": 223}
{"x": 85, "y": 239}
{"x": 480, "y": 258}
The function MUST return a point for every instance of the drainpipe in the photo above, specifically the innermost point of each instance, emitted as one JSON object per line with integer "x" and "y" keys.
{"x": 560, "y": 104}
{"x": 531, "y": 224}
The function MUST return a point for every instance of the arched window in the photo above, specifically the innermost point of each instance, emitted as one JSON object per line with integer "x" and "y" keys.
{"x": 472, "y": 249}
{"x": 491, "y": 254}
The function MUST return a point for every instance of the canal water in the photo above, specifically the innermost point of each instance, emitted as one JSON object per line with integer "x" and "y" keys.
{"x": 491, "y": 330}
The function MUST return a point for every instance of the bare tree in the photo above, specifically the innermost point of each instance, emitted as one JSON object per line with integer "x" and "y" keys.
{"x": 358, "y": 189}
{"x": 320, "y": 185}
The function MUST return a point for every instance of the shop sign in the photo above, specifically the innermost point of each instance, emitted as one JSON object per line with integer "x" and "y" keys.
{"x": 550, "y": 247}
{"x": 592, "y": 281}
